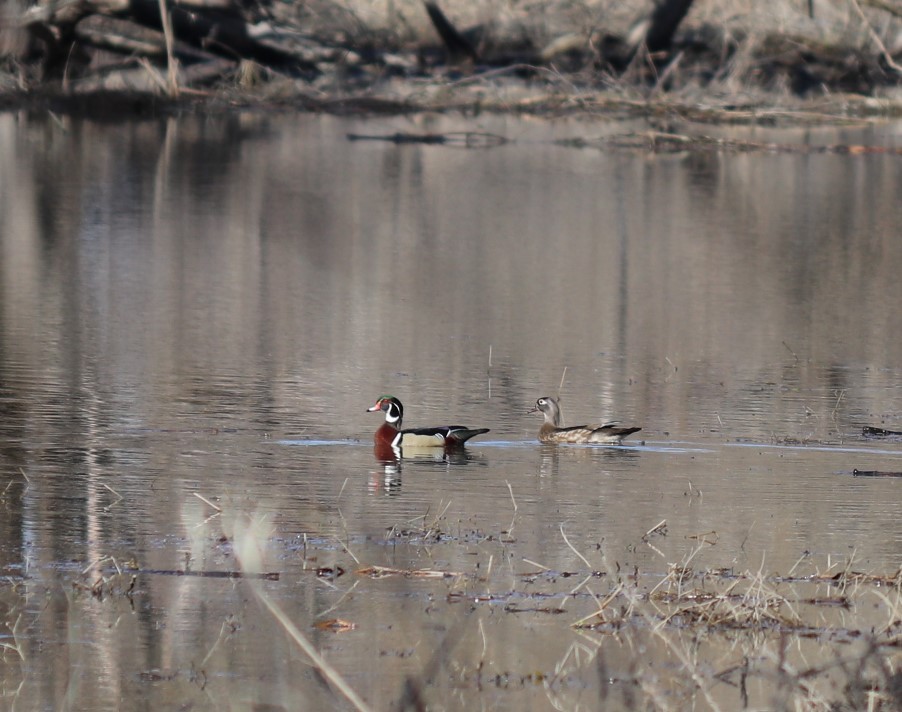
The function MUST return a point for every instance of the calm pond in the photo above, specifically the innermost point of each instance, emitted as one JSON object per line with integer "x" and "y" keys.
{"x": 196, "y": 313}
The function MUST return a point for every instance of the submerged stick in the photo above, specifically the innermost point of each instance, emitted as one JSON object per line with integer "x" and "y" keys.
{"x": 321, "y": 664}
{"x": 266, "y": 576}
{"x": 464, "y": 139}
{"x": 574, "y": 550}
{"x": 878, "y": 432}
{"x": 207, "y": 501}
{"x": 375, "y": 571}
{"x": 248, "y": 550}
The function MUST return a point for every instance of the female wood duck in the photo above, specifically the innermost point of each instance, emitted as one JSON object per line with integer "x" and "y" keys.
{"x": 390, "y": 433}
{"x": 552, "y": 432}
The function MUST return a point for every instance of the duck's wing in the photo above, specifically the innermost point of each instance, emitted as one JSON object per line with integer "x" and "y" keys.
{"x": 442, "y": 436}
{"x": 459, "y": 434}
{"x": 610, "y": 433}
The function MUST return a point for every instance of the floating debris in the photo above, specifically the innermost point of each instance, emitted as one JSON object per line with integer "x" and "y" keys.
{"x": 870, "y": 431}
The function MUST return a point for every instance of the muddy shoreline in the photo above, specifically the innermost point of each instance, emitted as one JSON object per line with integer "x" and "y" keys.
{"x": 773, "y": 111}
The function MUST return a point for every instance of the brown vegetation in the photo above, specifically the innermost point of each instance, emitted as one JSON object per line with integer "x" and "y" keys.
{"x": 761, "y": 625}
{"x": 341, "y": 55}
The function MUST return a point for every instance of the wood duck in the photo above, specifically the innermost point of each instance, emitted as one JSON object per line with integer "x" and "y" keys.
{"x": 391, "y": 435}
{"x": 552, "y": 432}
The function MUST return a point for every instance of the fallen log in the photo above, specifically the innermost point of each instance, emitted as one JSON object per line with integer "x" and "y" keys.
{"x": 869, "y": 430}
{"x": 875, "y": 473}
{"x": 208, "y": 27}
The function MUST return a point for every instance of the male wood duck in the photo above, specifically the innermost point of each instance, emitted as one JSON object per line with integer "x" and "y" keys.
{"x": 390, "y": 433}
{"x": 552, "y": 432}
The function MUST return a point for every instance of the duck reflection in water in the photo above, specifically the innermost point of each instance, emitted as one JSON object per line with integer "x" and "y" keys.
{"x": 395, "y": 460}
{"x": 552, "y": 455}
{"x": 388, "y": 455}
{"x": 387, "y": 480}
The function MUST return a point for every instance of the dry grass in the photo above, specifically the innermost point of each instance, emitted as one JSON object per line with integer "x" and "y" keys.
{"x": 729, "y": 61}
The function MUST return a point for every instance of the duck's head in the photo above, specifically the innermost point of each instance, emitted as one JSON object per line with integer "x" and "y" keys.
{"x": 550, "y": 408}
{"x": 394, "y": 411}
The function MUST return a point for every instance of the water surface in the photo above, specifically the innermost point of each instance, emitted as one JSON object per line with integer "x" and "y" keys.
{"x": 197, "y": 312}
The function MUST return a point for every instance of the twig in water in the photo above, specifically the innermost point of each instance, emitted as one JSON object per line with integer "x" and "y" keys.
{"x": 654, "y": 548}
{"x": 536, "y": 563}
{"x": 485, "y": 642}
{"x": 265, "y": 576}
{"x": 222, "y": 630}
{"x": 573, "y": 549}
{"x": 383, "y": 571}
{"x": 18, "y": 643}
{"x": 344, "y": 525}
{"x": 94, "y": 564}
{"x": 659, "y": 528}
{"x": 796, "y": 564}
{"x": 575, "y": 590}
{"x": 836, "y": 407}
{"x": 434, "y": 525}
{"x": 748, "y": 533}
{"x": 794, "y": 355}
{"x": 343, "y": 485}
{"x": 703, "y": 538}
{"x": 601, "y": 606}
{"x": 338, "y": 602}
{"x": 514, "y": 518}
{"x": 207, "y": 501}
{"x": 10, "y": 484}
{"x": 347, "y": 548}
{"x": 561, "y": 385}
{"x": 115, "y": 565}
{"x": 119, "y": 497}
